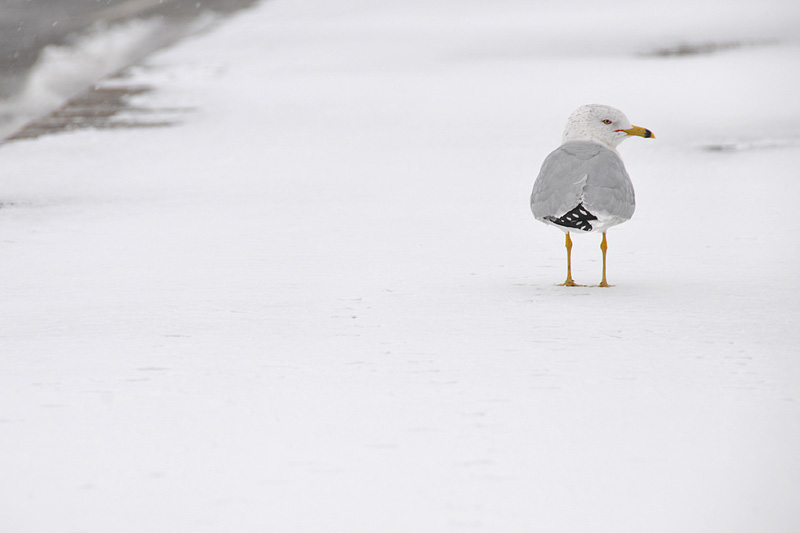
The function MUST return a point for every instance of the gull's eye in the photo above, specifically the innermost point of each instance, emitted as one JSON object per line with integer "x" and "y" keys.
{"x": 606, "y": 121}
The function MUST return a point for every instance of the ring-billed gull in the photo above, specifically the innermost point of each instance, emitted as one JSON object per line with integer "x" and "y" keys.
{"x": 583, "y": 185}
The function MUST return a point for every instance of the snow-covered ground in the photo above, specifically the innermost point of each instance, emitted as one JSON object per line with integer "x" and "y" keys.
{"x": 320, "y": 302}
{"x": 62, "y": 71}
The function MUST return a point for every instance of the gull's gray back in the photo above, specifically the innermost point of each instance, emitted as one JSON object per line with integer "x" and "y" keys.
{"x": 583, "y": 172}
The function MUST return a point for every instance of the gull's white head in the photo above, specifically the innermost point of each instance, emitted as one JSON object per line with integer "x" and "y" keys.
{"x": 601, "y": 124}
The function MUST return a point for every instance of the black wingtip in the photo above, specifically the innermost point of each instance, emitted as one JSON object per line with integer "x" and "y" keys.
{"x": 577, "y": 218}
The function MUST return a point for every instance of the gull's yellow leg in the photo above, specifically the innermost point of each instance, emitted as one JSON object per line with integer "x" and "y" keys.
{"x": 604, "y": 247}
{"x": 568, "y": 282}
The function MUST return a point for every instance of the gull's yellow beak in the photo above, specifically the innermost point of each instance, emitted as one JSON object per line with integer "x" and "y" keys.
{"x": 641, "y": 132}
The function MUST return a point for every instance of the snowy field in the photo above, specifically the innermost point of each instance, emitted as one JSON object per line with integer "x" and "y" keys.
{"x": 320, "y": 303}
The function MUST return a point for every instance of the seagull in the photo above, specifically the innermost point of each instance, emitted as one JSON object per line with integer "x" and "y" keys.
{"x": 583, "y": 186}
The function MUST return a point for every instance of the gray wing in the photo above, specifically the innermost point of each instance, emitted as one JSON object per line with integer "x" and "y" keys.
{"x": 583, "y": 172}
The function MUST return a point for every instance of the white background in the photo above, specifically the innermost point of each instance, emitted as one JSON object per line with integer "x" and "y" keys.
{"x": 319, "y": 302}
